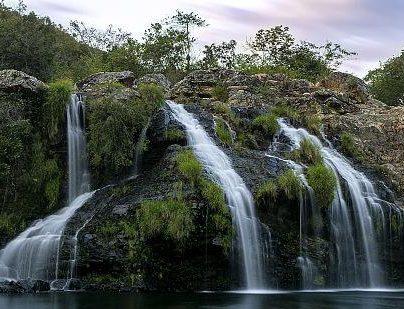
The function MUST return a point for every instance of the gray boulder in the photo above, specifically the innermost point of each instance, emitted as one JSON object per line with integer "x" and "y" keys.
{"x": 157, "y": 79}
{"x": 13, "y": 79}
{"x": 125, "y": 77}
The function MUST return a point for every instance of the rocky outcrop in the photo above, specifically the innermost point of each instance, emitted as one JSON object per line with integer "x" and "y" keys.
{"x": 13, "y": 79}
{"x": 126, "y": 78}
{"x": 157, "y": 79}
{"x": 24, "y": 286}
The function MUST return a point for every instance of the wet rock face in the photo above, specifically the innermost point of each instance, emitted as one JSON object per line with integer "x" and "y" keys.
{"x": 24, "y": 286}
{"x": 126, "y": 78}
{"x": 13, "y": 79}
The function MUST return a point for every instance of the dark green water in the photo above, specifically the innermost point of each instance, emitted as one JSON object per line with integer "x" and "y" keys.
{"x": 326, "y": 300}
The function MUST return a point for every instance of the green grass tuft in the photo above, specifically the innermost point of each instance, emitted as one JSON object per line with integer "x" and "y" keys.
{"x": 223, "y": 132}
{"x": 189, "y": 167}
{"x": 220, "y": 92}
{"x": 308, "y": 153}
{"x": 267, "y": 194}
{"x": 323, "y": 182}
{"x": 289, "y": 184}
{"x": 174, "y": 135}
{"x": 285, "y": 111}
{"x": 266, "y": 124}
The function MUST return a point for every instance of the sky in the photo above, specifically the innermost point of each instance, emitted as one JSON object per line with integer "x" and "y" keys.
{"x": 372, "y": 28}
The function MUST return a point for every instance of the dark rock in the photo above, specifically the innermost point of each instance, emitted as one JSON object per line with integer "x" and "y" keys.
{"x": 11, "y": 287}
{"x": 126, "y": 78}
{"x": 13, "y": 79}
{"x": 73, "y": 284}
{"x": 40, "y": 286}
{"x": 58, "y": 284}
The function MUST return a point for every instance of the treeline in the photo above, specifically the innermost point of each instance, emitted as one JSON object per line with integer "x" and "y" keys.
{"x": 39, "y": 47}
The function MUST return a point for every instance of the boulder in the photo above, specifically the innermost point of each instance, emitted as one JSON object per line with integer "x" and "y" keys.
{"x": 157, "y": 79}
{"x": 126, "y": 78}
{"x": 13, "y": 79}
{"x": 357, "y": 89}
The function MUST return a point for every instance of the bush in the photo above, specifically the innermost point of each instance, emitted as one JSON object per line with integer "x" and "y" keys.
{"x": 267, "y": 194}
{"x": 266, "y": 124}
{"x": 223, "y": 132}
{"x": 349, "y": 148}
{"x": 308, "y": 153}
{"x": 289, "y": 184}
{"x": 57, "y": 98}
{"x": 170, "y": 218}
{"x": 285, "y": 111}
{"x": 174, "y": 135}
{"x": 323, "y": 182}
{"x": 189, "y": 167}
{"x": 313, "y": 124}
{"x": 114, "y": 126}
{"x": 220, "y": 92}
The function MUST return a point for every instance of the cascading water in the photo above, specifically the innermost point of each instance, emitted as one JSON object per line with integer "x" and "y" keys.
{"x": 239, "y": 198}
{"x": 356, "y": 207}
{"x": 34, "y": 253}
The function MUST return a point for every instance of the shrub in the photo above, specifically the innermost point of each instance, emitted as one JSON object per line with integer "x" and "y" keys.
{"x": 308, "y": 153}
{"x": 266, "y": 124}
{"x": 223, "y": 132}
{"x": 289, "y": 184}
{"x": 313, "y": 124}
{"x": 285, "y": 111}
{"x": 323, "y": 182}
{"x": 170, "y": 218}
{"x": 349, "y": 148}
{"x": 57, "y": 98}
{"x": 213, "y": 195}
{"x": 189, "y": 167}
{"x": 220, "y": 92}
{"x": 267, "y": 194}
{"x": 174, "y": 135}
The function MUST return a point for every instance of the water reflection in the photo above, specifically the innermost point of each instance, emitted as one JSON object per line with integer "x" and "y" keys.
{"x": 301, "y": 300}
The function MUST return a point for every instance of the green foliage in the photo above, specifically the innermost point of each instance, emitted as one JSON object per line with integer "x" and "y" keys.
{"x": 171, "y": 218}
{"x": 307, "y": 153}
{"x": 313, "y": 124}
{"x": 323, "y": 182}
{"x": 109, "y": 230}
{"x": 189, "y": 167}
{"x": 267, "y": 194}
{"x": 266, "y": 124}
{"x": 10, "y": 224}
{"x": 219, "y": 55}
{"x": 285, "y": 111}
{"x": 224, "y": 110}
{"x": 387, "y": 81}
{"x": 121, "y": 191}
{"x": 289, "y": 184}
{"x": 349, "y": 147}
{"x": 54, "y": 109}
{"x": 213, "y": 195}
{"x": 220, "y": 92}
{"x": 113, "y": 126}
{"x": 174, "y": 135}
{"x": 223, "y": 132}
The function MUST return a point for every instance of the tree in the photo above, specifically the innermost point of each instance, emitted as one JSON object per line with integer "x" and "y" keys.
{"x": 387, "y": 81}
{"x": 220, "y": 55}
{"x": 186, "y": 21}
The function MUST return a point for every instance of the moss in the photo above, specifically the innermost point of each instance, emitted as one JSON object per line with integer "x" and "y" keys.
{"x": 171, "y": 218}
{"x": 285, "y": 111}
{"x": 223, "y": 132}
{"x": 349, "y": 148}
{"x": 57, "y": 98}
{"x": 189, "y": 167}
{"x": 220, "y": 92}
{"x": 289, "y": 184}
{"x": 323, "y": 182}
{"x": 174, "y": 135}
{"x": 109, "y": 230}
{"x": 266, "y": 124}
{"x": 267, "y": 194}
{"x": 307, "y": 153}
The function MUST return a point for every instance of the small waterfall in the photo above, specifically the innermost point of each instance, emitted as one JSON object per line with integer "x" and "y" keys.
{"x": 77, "y": 146}
{"x": 239, "y": 198}
{"x": 34, "y": 253}
{"x": 139, "y": 150}
{"x": 353, "y": 215}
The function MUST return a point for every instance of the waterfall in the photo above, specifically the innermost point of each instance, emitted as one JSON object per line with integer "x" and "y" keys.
{"x": 34, "y": 253}
{"x": 239, "y": 199}
{"x": 355, "y": 209}
{"x": 77, "y": 147}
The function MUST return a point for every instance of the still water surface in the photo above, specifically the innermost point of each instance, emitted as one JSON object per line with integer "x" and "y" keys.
{"x": 302, "y": 300}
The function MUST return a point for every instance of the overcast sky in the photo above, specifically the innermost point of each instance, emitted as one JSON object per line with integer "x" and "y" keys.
{"x": 372, "y": 28}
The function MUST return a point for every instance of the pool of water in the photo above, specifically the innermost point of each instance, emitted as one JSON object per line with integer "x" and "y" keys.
{"x": 303, "y": 300}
